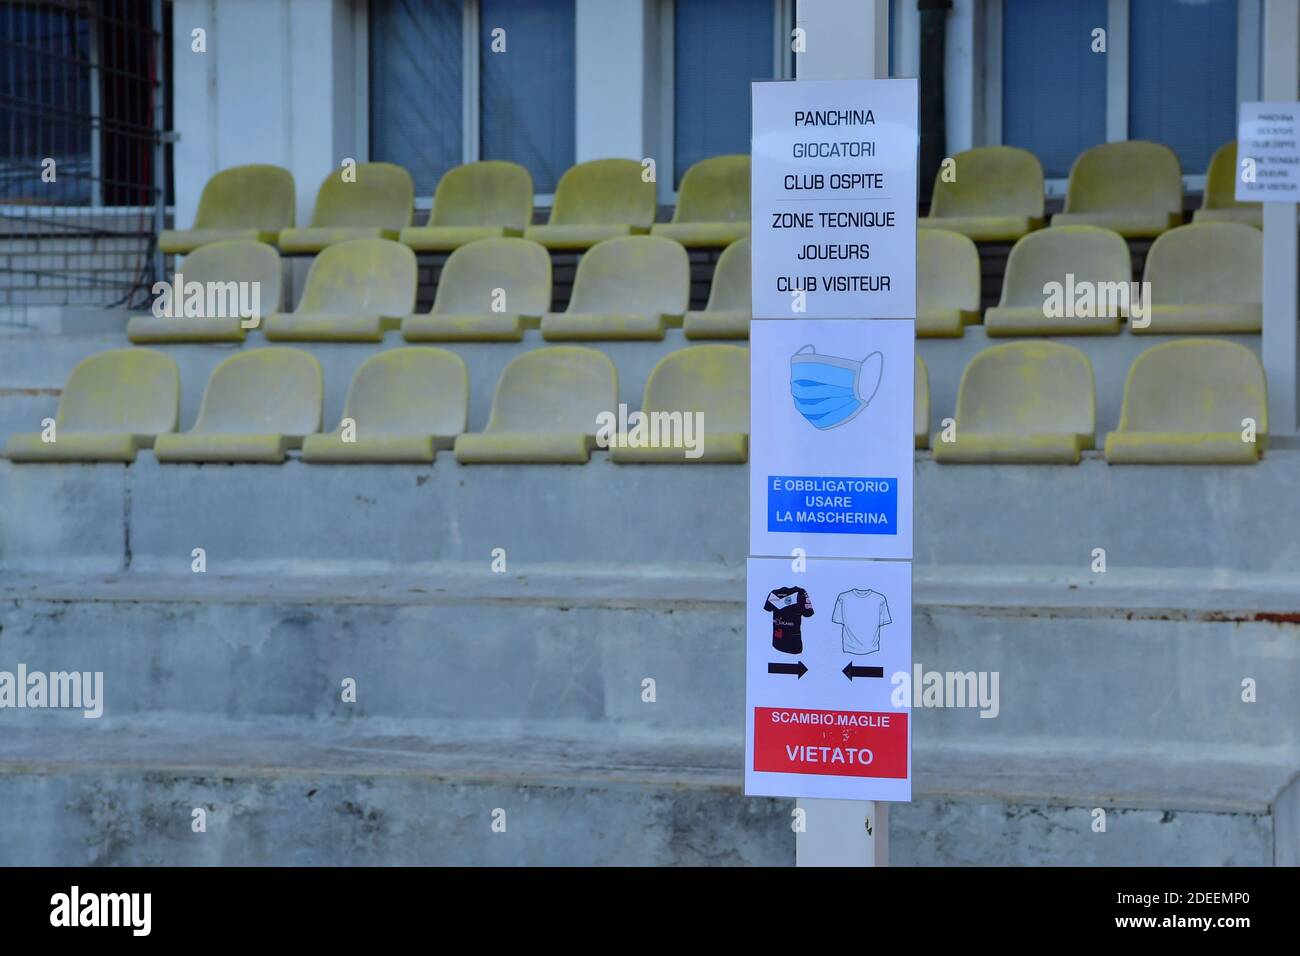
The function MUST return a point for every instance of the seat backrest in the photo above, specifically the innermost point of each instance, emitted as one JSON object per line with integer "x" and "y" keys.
{"x": 241, "y": 261}
{"x": 1221, "y": 180}
{"x": 274, "y": 391}
{"x": 247, "y": 197}
{"x": 715, "y": 190}
{"x": 1206, "y": 262}
{"x": 383, "y": 196}
{"x": 633, "y": 275}
{"x": 947, "y": 271}
{"x": 520, "y": 268}
{"x": 1130, "y": 176}
{"x": 134, "y": 391}
{"x": 711, "y": 379}
{"x": 1195, "y": 385}
{"x": 1027, "y": 388}
{"x": 991, "y": 181}
{"x": 362, "y": 277}
{"x": 1051, "y": 255}
{"x": 921, "y": 399}
{"x": 554, "y": 389}
{"x": 412, "y": 390}
{"x": 730, "y": 290}
{"x": 604, "y": 192}
{"x": 488, "y": 193}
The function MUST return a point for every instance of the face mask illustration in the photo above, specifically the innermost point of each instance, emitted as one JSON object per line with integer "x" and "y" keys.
{"x": 830, "y": 391}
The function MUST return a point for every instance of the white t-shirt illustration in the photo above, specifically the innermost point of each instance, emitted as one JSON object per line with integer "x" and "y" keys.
{"x": 862, "y": 614}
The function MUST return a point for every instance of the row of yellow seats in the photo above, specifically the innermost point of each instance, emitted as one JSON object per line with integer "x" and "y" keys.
{"x": 490, "y": 290}
{"x": 1194, "y": 401}
{"x": 1204, "y": 277}
{"x": 402, "y": 406}
{"x": 596, "y": 200}
{"x": 995, "y": 193}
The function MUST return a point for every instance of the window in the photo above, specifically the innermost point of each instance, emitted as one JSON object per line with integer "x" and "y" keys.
{"x": 1183, "y": 76}
{"x": 526, "y": 94}
{"x": 416, "y": 70}
{"x": 719, "y": 46}
{"x": 1053, "y": 85}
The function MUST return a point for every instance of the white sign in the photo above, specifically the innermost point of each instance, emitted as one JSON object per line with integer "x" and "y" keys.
{"x": 1268, "y": 153}
{"x": 831, "y": 437}
{"x": 833, "y": 226}
{"x": 828, "y": 679}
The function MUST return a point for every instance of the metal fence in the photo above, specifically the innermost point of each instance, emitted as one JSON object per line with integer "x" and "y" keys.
{"x": 83, "y": 177}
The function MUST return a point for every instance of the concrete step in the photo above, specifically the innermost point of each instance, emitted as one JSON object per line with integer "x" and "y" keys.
{"x": 369, "y": 518}
{"x": 1123, "y": 667}
{"x": 276, "y": 795}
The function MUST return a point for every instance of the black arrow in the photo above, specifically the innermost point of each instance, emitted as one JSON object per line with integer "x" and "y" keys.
{"x": 798, "y": 670}
{"x": 851, "y": 671}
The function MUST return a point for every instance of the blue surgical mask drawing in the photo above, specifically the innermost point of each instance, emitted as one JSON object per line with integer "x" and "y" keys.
{"x": 830, "y": 391}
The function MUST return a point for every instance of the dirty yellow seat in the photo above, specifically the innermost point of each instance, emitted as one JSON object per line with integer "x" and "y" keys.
{"x": 256, "y": 405}
{"x": 1205, "y": 277}
{"x": 227, "y": 276}
{"x": 243, "y": 202}
{"x": 602, "y": 199}
{"x": 1188, "y": 402}
{"x": 1088, "y": 271}
{"x": 712, "y": 204}
{"x": 629, "y": 288}
{"x": 401, "y": 406}
{"x": 1133, "y": 187}
{"x": 695, "y": 409}
{"x": 729, "y": 309}
{"x": 1219, "y": 202}
{"x": 490, "y": 291}
{"x": 921, "y": 404}
{"x": 997, "y": 195}
{"x": 1023, "y": 403}
{"x": 355, "y": 291}
{"x": 947, "y": 284}
{"x": 378, "y": 205}
{"x": 483, "y": 200}
{"x": 113, "y": 403}
{"x": 546, "y": 409}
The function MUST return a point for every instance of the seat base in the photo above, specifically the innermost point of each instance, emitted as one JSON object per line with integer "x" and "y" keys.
{"x": 724, "y": 448}
{"x": 702, "y": 235}
{"x": 578, "y": 237}
{"x": 984, "y": 228}
{"x": 182, "y": 241}
{"x": 944, "y": 323}
{"x": 488, "y": 448}
{"x": 1009, "y": 449}
{"x": 147, "y": 328}
{"x": 1130, "y": 225}
{"x": 378, "y": 449}
{"x": 314, "y": 239}
{"x": 450, "y": 238}
{"x": 76, "y": 446}
{"x": 1027, "y": 320}
{"x": 323, "y": 327}
{"x": 450, "y": 327}
{"x": 221, "y": 448}
{"x": 1250, "y": 216}
{"x": 1181, "y": 448}
{"x": 1173, "y": 319}
{"x": 591, "y": 327}
{"x": 721, "y": 324}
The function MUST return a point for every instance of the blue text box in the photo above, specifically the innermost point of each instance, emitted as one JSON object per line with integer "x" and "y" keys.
{"x": 832, "y": 505}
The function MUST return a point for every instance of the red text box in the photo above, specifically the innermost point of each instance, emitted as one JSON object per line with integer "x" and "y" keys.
{"x": 837, "y": 743}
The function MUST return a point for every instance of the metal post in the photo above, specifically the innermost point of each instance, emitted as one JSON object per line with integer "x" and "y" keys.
{"x": 844, "y": 40}
{"x": 159, "y": 146}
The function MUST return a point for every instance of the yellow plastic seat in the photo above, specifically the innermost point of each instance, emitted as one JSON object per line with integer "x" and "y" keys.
{"x": 947, "y": 284}
{"x": 1075, "y": 258}
{"x": 1187, "y": 402}
{"x": 256, "y": 405}
{"x": 997, "y": 195}
{"x": 355, "y": 291}
{"x": 629, "y": 288}
{"x": 378, "y": 205}
{"x": 1134, "y": 188}
{"x": 243, "y": 202}
{"x": 113, "y": 403}
{"x": 1205, "y": 277}
{"x": 921, "y": 404}
{"x": 712, "y": 204}
{"x": 484, "y": 200}
{"x": 602, "y": 199}
{"x": 1219, "y": 202}
{"x": 513, "y": 275}
{"x": 546, "y": 409}
{"x": 729, "y": 309}
{"x": 1026, "y": 403}
{"x": 696, "y": 410}
{"x": 220, "y": 269}
{"x": 402, "y": 405}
